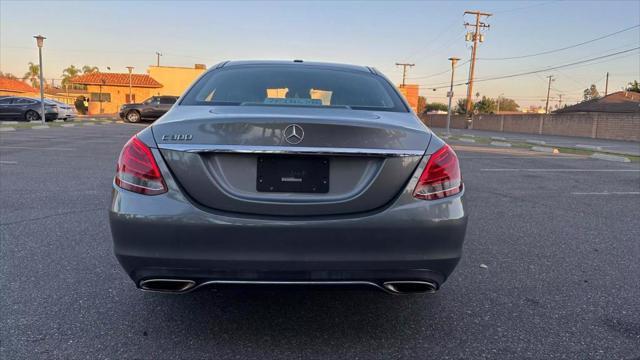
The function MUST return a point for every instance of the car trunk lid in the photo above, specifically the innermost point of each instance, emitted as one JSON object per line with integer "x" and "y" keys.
{"x": 290, "y": 160}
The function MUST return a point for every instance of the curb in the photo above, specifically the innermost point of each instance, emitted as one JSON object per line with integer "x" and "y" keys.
{"x": 500, "y": 143}
{"x": 608, "y": 157}
{"x": 589, "y": 147}
{"x": 37, "y": 127}
{"x": 545, "y": 149}
{"x": 499, "y": 138}
{"x": 8, "y": 122}
{"x": 467, "y": 140}
{"x": 7, "y": 129}
{"x": 68, "y": 125}
{"x": 536, "y": 142}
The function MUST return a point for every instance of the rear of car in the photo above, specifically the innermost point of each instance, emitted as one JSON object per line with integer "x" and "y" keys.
{"x": 288, "y": 173}
{"x": 65, "y": 111}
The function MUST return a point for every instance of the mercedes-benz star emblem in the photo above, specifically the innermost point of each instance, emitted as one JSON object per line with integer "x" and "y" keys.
{"x": 293, "y": 134}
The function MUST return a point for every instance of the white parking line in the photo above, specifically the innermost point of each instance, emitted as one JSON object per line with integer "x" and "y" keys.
{"x": 8, "y": 162}
{"x": 608, "y": 193}
{"x": 566, "y": 170}
{"x": 36, "y": 148}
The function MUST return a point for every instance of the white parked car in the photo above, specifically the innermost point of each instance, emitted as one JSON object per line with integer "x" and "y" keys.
{"x": 65, "y": 111}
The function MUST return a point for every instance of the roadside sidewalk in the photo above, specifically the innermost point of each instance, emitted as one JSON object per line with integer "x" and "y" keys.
{"x": 609, "y": 146}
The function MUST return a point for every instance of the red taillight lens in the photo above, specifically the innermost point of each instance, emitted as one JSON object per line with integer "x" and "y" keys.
{"x": 137, "y": 170}
{"x": 441, "y": 176}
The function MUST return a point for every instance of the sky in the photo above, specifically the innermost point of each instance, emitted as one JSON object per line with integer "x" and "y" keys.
{"x": 376, "y": 33}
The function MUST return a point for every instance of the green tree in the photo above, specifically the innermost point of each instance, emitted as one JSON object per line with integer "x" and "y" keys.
{"x": 69, "y": 73}
{"x": 32, "y": 74}
{"x": 591, "y": 93}
{"x": 461, "y": 106}
{"x": 436, "y": 107}
{"x": 507, "y": 104}
{"x": 634, "y": 86}
{"x": 485, "y": 106}
{"x": 89, "y": 69}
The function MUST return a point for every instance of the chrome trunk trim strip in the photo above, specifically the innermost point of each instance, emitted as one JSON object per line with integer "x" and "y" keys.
{"x": 248, "y": 149}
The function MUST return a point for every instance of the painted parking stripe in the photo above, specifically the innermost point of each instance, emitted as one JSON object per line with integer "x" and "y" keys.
{"x": 608, "y": 193}
{"x": 36, "y": 148}
{"x": 565, "y": 170}
{"x": 4, "y": 162}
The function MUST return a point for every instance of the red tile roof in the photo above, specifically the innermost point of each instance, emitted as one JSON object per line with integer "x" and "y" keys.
{"x": 116, "y": 79}
{"x": 7, "y": 84}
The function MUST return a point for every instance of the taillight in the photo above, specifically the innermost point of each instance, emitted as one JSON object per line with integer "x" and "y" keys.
{"x": 137, "y": 170}
{"x": 441, "y": 176}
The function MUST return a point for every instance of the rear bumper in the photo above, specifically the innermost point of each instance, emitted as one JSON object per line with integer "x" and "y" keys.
{"x": 167, "y": 237}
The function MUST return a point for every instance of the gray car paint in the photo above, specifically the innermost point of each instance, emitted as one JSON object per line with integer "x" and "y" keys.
{"x": 174, "y": 236}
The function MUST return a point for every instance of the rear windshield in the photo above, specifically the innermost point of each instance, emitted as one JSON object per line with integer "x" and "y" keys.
{"x": 294, "y": 86}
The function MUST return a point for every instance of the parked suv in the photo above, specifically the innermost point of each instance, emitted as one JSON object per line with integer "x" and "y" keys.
{"x": 150, "y": 109}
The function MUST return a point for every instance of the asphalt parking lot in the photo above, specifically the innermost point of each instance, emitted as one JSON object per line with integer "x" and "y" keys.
{"x": 557, "y": 237}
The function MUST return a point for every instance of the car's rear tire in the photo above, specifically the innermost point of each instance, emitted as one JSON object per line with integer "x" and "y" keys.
{"x": 132, "y": 116}
{"x": 31, "y": 115}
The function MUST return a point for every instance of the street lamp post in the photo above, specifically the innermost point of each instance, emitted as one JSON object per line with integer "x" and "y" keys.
{"x": 130, "y": 70}
{"x": 102, "y": 82}
{"x": 453, "y": 60}
{"x": 40, "y": 43}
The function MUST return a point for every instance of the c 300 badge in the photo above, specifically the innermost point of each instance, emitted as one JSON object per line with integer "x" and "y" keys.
{"x": 177, "y": 137}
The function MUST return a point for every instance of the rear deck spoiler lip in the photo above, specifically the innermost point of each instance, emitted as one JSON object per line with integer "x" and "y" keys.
{"x": 301, "y": 150}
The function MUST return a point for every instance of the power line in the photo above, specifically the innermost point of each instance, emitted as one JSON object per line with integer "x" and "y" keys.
{"x": 438, "y": 73}
{"x": 563, "y": 48}
{"x": 499, "y": 77}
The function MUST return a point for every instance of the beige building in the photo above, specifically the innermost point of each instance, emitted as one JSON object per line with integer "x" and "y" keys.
{"x": 175, "y": 79}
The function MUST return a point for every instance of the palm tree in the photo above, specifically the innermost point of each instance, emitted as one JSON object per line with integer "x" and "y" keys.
{"x": 89, "y": 69}
{"x": 634, "y": 86}
{"x": 68, "y": 74}
{"x": 32, "y": 74}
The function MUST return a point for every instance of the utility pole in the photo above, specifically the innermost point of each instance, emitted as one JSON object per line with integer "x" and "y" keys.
{"x": 158, "y": 54}
{"x": 453, "y": 60}
{"x": 499, "y": 98}
{"x": 546, "y": 107}
{"x": 559, "y": 101}
{"x": 404, "y": 71}
{"x": 475, "y": 37}
{"x": 606, "y": 85}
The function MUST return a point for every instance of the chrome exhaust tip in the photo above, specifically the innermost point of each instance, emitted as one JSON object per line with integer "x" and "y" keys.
{"x": 167, "y": 285}
{"x": 410, "y": 287}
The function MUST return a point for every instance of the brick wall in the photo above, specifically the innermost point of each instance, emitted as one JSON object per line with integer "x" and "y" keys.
{"x": 595, "y": 125}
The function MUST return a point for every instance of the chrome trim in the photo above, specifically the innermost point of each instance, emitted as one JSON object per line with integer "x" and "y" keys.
{"x": 389, "y": 286}
{"x": 188, "y": 285}
{"x": 259, "y": 282}
{"x": 248, "y": 149}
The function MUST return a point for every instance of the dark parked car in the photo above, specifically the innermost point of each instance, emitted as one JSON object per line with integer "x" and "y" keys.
{"x": 150, "y": 109}
{"x": 25, "y": 109}
{"x": 290, "y": 173}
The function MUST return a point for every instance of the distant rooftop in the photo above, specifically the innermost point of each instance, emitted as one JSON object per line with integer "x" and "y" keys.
{"x": 15, "y": 85}
{"x": 116, "y": 79}
{"x": 618, "y": 102}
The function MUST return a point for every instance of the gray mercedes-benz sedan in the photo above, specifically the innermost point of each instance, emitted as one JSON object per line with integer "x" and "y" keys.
{"x": 292, "y": 173}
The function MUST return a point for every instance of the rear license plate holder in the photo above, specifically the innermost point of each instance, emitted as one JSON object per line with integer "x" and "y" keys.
{"x": 293, "y": 174}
